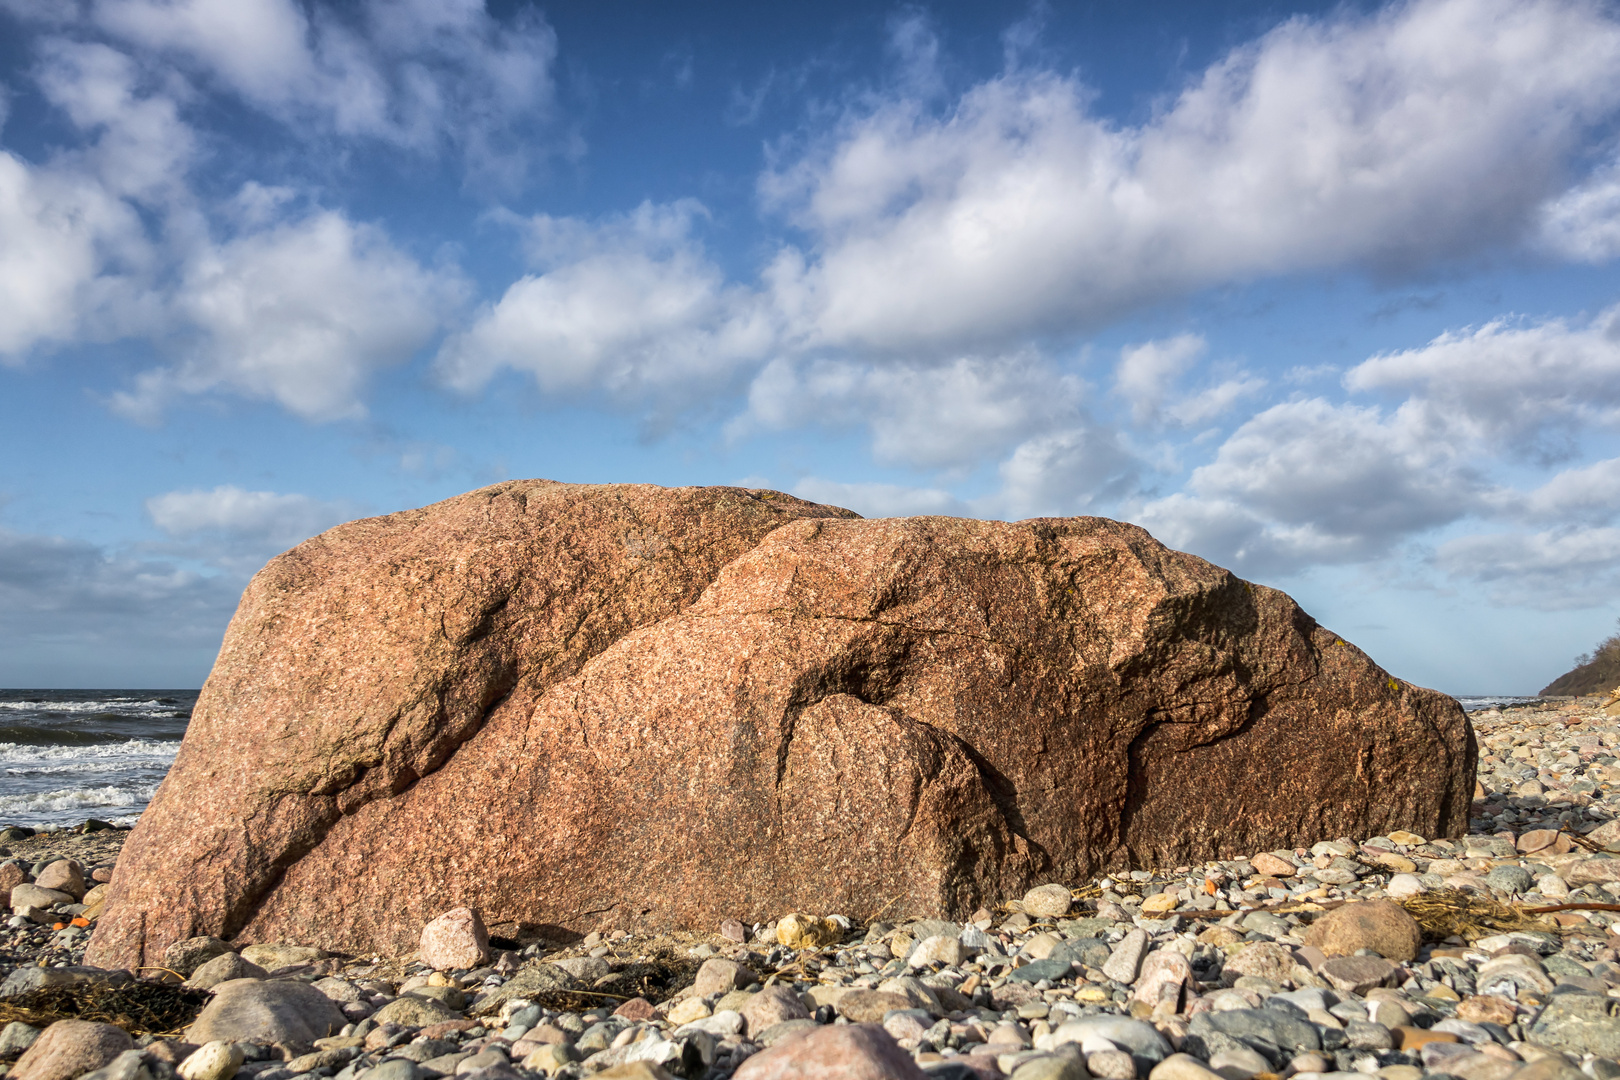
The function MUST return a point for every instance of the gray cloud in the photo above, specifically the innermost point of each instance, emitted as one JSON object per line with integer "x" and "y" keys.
{"x": 67, "y": 607}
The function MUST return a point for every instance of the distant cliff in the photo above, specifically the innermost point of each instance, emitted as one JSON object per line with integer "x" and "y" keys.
{"x": 1595, "y": 674}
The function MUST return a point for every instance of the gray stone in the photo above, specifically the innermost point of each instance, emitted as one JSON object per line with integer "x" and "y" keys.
{"x": 927, "y": 928}
{"x": 185, "y": 957}
{"x": 1364, "y": 1035}
{"x": 1051, "y": 969}
{"x": 29, "y": 895}
{"x": 342, "y": 991}
{"x": 283, "y": 1013}
{"x": 409, "y": 1010}
{"x": 450, "y": 997}
{"x": 426, "y": 1050}
{"x": 126, "y": 1066}
{"x": 392, "y": 1069}
{"x": 531, "y": 981}
{"x": 1052, "y": 1067}
{"x": 1142, "y": 1040}
{"x": 1087, "y": 928}
{"x": 1334, "y": 875}
{"x": 784, "y": 1029}
{"x": 1090, "y": 951}
{"x": 974, "y": 938}
{"x": 24, "y": 979}
{"x": 1509, "y": 975}
{"x": 1311, "y": 997}
{"x": 1356, "y": 974}
{"x": 1559, "y": 964}
{"x": 1552, "y": 1067}
{"x": 224, "y": 968}
{"x": 1266, "y": 923}
{"x": 1468, "y": 1033}
{"x": 1126, "y": 959}
{"x": 272, "y": 955}
{"x": 1582, "y": 1023}
{"x": 445, "y": 1064}
{"x": 1272, "y": 1032}
{"x": 1509, "y": 879}
{"x": 16, "y": 1037}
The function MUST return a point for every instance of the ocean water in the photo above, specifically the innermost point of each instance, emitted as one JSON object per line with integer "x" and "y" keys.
{"x": 1476, "y": 703}
{"x": 68, "y": 755}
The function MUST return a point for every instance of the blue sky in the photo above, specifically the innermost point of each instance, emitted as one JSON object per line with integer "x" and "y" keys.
{"x": 1325, "y": 294}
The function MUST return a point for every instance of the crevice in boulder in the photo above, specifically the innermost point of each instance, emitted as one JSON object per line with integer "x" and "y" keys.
{"x": 871, "y": 684}
{"x": 1136, "y": 776}
{"x": 1003, "y": 792}
{"x": 333, "y": 807}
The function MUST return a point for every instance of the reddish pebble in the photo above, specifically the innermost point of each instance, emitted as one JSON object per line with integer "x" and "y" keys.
{"x": 637, "y": 1009}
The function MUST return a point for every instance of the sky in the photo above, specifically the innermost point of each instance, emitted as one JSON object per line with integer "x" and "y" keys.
{"x": 1326, "y": 294}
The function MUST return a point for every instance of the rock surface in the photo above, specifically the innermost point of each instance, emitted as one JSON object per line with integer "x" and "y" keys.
{"x": 456, "y": 939}
{"x": 277, "y": 1013}
{"x": 951, "y": 710}
{"x": 855, "y": 1052}
{"x": 70, "y": 1048}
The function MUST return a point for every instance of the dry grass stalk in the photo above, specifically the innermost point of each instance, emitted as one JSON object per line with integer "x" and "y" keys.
{"x": 1444, "y": 913}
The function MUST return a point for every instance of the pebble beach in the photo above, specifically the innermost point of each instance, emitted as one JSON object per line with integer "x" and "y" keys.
{"x": 1400, "y": 956}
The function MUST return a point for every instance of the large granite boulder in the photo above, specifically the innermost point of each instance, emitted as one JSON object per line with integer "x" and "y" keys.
{"x": 645, "y": 707}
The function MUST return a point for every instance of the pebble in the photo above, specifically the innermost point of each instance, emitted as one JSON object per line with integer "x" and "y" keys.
{"x": 212, "y": 1061}
{"x": 70, "y": 1048}
{"x": 456, "y": 939}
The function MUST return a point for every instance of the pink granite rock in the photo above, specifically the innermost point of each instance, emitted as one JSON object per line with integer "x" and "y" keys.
{"x": 70, "y": 1048}
{"x": 853, "y": 1052}
{"x": 456, "y": 939}
{"x": 699, "y": 686}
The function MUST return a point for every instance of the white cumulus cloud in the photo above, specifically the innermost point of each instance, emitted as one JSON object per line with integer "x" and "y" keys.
{"x": 632, "y": 306}
{"x": 1325, "y": 143}
{"x": 416, "y": 73}
{"x": 237, "y": 531}
{"x": 299, "y": 314}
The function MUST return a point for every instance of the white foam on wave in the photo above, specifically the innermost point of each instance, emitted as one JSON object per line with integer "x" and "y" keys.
{"x": 1479, "y": 702}
{"x": 111, "y": 705}
{"x": 15, "y": 756}
{"x": 77, "y": 798}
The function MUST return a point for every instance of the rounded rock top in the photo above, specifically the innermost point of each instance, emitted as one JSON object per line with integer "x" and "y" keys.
{"x": 1048, "y": 901}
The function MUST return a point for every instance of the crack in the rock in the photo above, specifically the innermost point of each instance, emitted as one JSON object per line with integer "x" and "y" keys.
{"x": 250, "y": 899}
{"x": 799, "y": 613}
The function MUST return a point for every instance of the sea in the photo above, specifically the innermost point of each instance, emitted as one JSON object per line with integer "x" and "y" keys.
{"x": 69, "y": 755}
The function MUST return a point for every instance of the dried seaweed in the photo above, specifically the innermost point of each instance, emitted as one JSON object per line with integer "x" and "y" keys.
{"x": 140, "y": 1008}
{"x": 1445, "y": 913}
{"x": 656, "y": 978}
